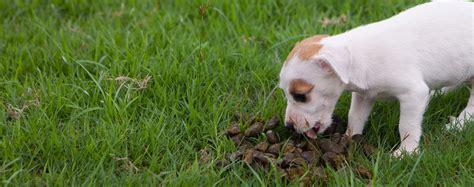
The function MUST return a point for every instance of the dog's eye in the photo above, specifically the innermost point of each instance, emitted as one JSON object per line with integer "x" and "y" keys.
{"x": 299, "y": 97}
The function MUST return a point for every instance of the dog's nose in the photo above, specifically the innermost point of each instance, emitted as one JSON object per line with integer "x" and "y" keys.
{"x": 290, "y": 125}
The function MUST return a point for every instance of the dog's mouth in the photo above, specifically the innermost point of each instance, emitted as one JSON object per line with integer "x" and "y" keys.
{"x": 313, "y": 132}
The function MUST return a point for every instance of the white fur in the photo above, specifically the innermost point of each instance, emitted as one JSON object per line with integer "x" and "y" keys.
{"x": 423, "y": 48}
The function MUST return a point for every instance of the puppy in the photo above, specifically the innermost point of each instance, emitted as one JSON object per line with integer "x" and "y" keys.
{"x": 423, "y": 48}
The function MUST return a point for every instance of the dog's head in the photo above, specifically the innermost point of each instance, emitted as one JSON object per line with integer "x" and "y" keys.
{"x": 313, "y": 77}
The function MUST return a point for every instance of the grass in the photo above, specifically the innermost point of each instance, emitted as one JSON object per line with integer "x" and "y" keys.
{"x": 66, "y": 120}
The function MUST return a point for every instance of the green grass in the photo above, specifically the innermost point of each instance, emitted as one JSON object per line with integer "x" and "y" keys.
{"x": 64, "y": 120}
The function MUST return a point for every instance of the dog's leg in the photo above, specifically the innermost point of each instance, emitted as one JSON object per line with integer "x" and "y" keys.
{"x": 466, "y": 114}
{"x": 358, "y": 113}
{"x": 412, "y": 106}
{"x": 443, "y": 90}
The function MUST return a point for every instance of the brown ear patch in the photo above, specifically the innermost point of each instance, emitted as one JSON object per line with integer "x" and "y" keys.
{"x": 300, "y": 86}
{"x": 309, "y": 50}
{"x": 306, "y": 48}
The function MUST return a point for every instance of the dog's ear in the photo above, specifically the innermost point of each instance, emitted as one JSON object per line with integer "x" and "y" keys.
{"x": 335, "y": 59}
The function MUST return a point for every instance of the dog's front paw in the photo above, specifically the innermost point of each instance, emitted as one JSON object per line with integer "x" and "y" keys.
{"x": 400, "y": 152}
{"x": 397, "y": 153}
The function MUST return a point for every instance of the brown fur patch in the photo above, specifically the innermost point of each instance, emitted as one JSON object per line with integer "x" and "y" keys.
{"x": 300, "y": 86}
{"x": 308, "y": 51}
{"x": 306, "y": 48}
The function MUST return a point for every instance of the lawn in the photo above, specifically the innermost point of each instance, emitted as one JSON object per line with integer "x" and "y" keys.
{"x": 111, "y": 93}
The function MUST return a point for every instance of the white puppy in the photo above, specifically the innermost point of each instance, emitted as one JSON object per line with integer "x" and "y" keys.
{"x": 423, "y": 48}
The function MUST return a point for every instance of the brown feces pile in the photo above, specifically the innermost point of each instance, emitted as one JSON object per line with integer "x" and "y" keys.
{"x": 295, "y": 156}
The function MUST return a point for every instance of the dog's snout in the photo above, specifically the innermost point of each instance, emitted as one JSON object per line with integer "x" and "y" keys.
{"x": 290, "y": 125}
{"x": 317, "y": 124}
